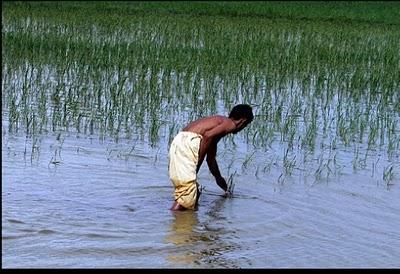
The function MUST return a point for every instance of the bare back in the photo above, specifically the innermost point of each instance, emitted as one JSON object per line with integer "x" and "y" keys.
{"x": 211, "y": 127}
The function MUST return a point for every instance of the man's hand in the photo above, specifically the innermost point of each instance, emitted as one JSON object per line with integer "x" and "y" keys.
{"x": 222, "y": 183}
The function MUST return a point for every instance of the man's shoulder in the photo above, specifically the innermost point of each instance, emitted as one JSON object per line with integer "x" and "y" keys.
{"x": 223, "y": 123}
{"x": 219, "y": 118}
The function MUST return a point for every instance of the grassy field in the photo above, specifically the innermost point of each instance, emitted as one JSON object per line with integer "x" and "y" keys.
{"x": 320, "y": 75}
{"x": 385, "y": 12}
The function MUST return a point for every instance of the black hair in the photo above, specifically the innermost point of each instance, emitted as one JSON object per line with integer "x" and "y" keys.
{"x": 242, "y": 111}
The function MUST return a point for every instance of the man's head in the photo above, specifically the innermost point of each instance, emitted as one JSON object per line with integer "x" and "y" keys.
{"x": 242, "y": 115}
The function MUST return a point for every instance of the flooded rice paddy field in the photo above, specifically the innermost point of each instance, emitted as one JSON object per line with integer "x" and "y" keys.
{"x": 90, "y": 105}
{"x": 101, "y": 206}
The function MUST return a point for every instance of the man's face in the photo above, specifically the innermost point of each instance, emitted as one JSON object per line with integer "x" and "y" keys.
{"x": 241, "y": 126}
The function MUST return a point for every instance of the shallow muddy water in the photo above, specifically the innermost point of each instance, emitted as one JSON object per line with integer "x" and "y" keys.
{"x": 81, "y": 202}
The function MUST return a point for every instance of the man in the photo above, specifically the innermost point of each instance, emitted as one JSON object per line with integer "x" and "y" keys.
{"x": 196, "y": 141}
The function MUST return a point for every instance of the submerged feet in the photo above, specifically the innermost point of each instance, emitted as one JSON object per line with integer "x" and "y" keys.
{"x": 177, "y": 207}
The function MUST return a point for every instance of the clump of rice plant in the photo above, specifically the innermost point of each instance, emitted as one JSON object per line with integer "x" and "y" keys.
{"x": 231, "y": 186}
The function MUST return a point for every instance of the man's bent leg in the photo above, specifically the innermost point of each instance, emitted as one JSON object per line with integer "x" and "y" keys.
{"x": 177, "y": 206}
{"x": 197, "y": 198}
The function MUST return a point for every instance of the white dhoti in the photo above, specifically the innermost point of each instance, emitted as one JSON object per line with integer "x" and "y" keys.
{"x": 183, "y": 159}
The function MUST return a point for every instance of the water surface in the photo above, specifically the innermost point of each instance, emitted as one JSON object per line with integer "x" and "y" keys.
{"x": 85, "y": 202}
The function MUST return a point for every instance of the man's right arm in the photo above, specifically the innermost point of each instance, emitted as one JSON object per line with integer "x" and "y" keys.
{"x": 213, "y": 166}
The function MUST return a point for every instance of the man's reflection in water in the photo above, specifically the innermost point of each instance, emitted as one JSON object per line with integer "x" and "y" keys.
{"x": 195, "y": 242}
{"x": 183, "y": 234}
{"x": 183, "y": 227}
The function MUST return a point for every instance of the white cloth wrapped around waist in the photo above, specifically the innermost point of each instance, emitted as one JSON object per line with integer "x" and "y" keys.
{"x": 183, "y": 160}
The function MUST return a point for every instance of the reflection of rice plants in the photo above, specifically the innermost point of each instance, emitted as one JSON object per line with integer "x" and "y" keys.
{"x": 317, "y": 85}
{"x": 388, "y": 175}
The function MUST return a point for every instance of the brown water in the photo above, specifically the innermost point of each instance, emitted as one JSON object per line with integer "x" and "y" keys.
{"x": 81, "y": 202}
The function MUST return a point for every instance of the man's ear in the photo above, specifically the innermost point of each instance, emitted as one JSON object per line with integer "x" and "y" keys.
{"x": 242, "y": 121}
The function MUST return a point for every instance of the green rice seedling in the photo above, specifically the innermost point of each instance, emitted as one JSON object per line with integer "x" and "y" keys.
{"x": 288, "y": 164}
{"x": 388, "y": 175}
{"x": 247, "y": 160}
{"x": 374, "y": 166}
{"x": 324, "y": 170}
{"x": 281, "y": 179}
{"x": 35, "y": 151}
{"x": 231, "y": 185}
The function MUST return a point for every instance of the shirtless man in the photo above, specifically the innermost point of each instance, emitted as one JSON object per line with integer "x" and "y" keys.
{"x": 196, "y": 141}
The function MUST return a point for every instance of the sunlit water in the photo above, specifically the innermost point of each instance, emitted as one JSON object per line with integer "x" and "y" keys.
{"x": 82, "y": 202}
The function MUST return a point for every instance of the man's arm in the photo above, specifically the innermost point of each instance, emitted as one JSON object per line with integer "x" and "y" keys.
{"x": 213, "y": 166}
{"x": 211, "y": 136}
